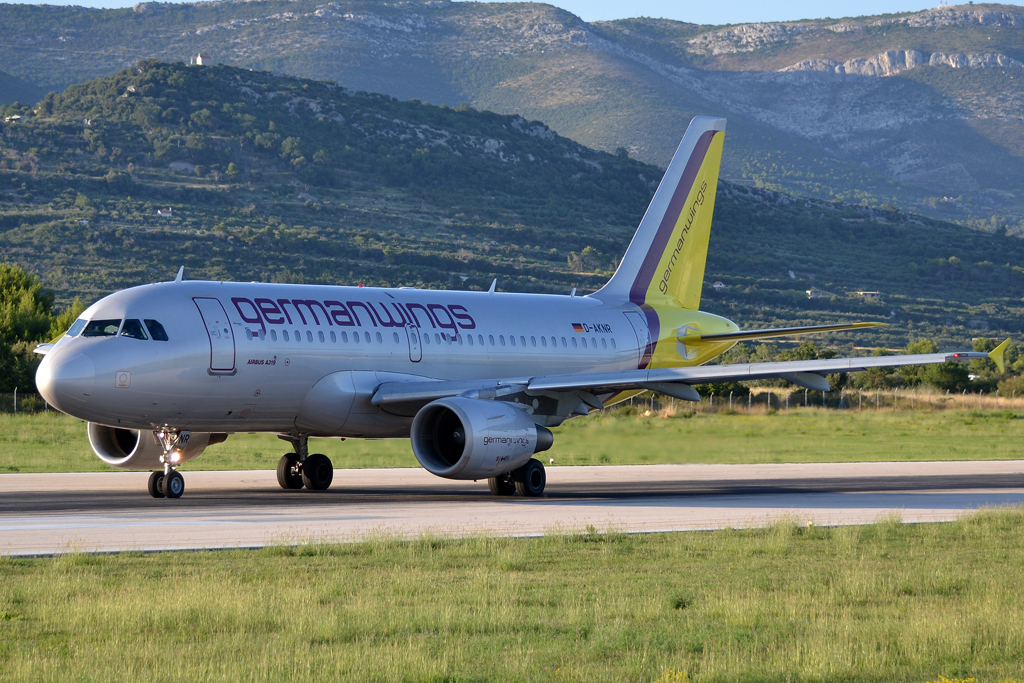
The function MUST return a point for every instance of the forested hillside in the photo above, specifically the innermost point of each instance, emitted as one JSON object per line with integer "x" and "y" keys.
{"x": 276, "y": 178}
{"x": 920, "y": 109}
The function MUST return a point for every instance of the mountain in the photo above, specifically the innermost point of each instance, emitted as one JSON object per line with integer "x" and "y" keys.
{"x": 274, "y": 178}
{"x": 917, "y": 110}
{"x": 14, "y": 89}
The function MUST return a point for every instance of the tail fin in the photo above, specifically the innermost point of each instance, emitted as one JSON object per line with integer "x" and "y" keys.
{"x": 665, "y": 261}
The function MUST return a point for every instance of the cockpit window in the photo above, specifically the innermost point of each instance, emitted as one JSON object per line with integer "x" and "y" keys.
{"x": 133, "y": 328}
{"x": 101, "y": 328}
{"x": 156, "y": 330}
{"x": 77, "y": 327}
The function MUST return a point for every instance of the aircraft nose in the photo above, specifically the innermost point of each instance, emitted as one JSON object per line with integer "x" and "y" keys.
{"x": 66, "y": 383}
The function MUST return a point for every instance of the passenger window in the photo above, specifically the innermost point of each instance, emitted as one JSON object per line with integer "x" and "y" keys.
{"x": 491, "y": 338}
{"x": 533, "y": 341}
{"x": 543, "y": 342}
{"x": 285, "y": 333}
{"x": 273, "y": 335}
{"x": 593, "y": 342}
{"x": 437, "y": 338}
{"x": 380, "y": 340}
{"x": 248, "y": 333}
{"x": 564, "y": 344}
{"x": 77, "y": 327}
{"x": 133, "y": 328}
{"x": 522, "y": 340}
{"x": 263, "y": 335}
{"x": 554, "y": 342}
{"x": 574, "y": 342}
{"x": 583, "y": 339}
{"x": 309, "y": 336}
{"x": 480, "y": 338}
{"x": 334, "y": 338}
{"x": 604, "y": 343}
{"x": 101, "y": 328}
{"x": 344, "y": 337}
{"x": 395, "y": 335}
{"x": 156, "y": 330}
{"x": 321, "y": 336}
{"x": 426, "y": 338}
{"x": 298, "y": 336}
{"x": 613, "y": 342}
{"x": 501, "y": 338}
{"x": 512, "y": 339}
{"x": 355, "y": 337}
{"x": 458, "y": 338}
{"x": 469, "y": 338}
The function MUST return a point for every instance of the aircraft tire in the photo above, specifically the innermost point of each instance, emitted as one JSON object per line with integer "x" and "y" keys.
{"x": 156, "y": 484}
{"x": 530, "y": 479}
{"x": 287, "y": 477}
{"x": 502, "y": 485}
{"x": 174, "y": 485}
{"x": 317, "y": 472}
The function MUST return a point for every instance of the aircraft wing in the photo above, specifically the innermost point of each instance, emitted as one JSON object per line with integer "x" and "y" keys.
{"x": 669, "y": 381}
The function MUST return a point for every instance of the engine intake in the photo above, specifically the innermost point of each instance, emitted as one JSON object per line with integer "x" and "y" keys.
{"x": 131, "y": 449}
{"x": 469, "y": 438}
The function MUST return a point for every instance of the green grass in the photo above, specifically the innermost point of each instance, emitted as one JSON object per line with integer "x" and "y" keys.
{"x": 884, "y": 602}
{"x": 55, "y": 443}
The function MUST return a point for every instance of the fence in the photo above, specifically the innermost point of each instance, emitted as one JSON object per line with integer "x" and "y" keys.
{"x": 762, "y": 400}
{"x": 22, "y": 402}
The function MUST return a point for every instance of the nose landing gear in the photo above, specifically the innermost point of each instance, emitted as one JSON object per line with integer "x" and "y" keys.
{"x": 298, "y": 469}
{"x": 169, "y": 483}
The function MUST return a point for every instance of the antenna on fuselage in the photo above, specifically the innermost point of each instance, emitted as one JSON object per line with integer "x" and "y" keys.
{"x": 573, "y": 292}
{"x": 180, "y": 275}
{"x": 494, "y": 284}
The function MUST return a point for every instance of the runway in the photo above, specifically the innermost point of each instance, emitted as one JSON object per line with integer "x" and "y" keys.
{"x": 52, "y": 513}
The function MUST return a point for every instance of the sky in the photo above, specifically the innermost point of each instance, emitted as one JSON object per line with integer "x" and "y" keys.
{"x": 714, "y": 12}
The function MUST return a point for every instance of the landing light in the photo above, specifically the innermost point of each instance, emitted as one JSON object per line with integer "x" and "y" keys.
{"x": 175, "y": 456}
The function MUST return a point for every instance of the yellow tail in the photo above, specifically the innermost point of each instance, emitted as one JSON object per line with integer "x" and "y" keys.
{"x": 665, "y": 261}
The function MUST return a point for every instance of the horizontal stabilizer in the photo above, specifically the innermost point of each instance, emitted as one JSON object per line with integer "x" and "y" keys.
{"x": 747, "y": 335}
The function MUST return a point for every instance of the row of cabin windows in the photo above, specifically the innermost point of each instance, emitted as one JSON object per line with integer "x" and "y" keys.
{"x": 439, "y": 337}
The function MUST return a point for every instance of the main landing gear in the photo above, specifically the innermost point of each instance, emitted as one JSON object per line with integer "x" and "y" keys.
{"x": 169, "y": 483}
{"x": 298, "y": 469}
{"x": 528, "y": 480}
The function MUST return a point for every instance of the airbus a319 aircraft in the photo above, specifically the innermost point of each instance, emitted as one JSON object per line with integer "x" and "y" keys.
{"x": 474, "y": 379}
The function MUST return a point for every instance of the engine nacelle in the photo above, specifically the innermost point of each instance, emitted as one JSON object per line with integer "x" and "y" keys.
{"x": 131, "y": 449}
{"x": 469, "y": 438}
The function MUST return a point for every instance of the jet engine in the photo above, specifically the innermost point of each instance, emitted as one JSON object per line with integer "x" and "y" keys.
{"x": 131, "y": 449}
{"x": 469, "y": 438}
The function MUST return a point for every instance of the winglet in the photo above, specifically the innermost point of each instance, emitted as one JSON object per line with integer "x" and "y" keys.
{"x": 180, "y": 275}
{"x": 996, "y": 355}
{"x": 494, "y": 285}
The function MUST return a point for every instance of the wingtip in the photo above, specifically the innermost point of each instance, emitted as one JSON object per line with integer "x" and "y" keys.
{"x": 996, "y": 355}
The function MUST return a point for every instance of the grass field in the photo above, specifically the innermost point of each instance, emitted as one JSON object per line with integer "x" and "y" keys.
{"x": 56, "y": 443}
{"x": 884, "y": 602}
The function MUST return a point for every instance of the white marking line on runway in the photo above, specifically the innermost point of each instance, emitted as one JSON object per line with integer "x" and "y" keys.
{"x": 385, "y": 503}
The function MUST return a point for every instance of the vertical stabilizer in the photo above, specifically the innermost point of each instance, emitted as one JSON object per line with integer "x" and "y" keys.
{"x": 665, "y": 261}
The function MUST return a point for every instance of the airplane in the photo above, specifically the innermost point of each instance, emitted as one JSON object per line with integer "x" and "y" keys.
{"x": 476, "y": 380}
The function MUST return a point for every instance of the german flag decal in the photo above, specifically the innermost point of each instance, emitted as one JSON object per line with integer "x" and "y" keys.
{"x": 576, "y": 327}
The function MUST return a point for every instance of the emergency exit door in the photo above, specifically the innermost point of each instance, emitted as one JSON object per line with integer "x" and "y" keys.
{"x": 218, "y": 328}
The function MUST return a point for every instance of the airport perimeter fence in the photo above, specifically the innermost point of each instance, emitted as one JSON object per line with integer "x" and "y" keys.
{"x": 23, "y": 402}
{"x": 762, "y": 400}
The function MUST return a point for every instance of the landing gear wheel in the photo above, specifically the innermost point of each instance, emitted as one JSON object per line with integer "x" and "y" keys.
{"x": 288, "y": 471}
{"x": 156, "y": 484}
{"x": 502, "y": 485}
{"x": 317, "y": 472}
{"x": 530, "y": 479}
{"x": 174, "y": 485}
